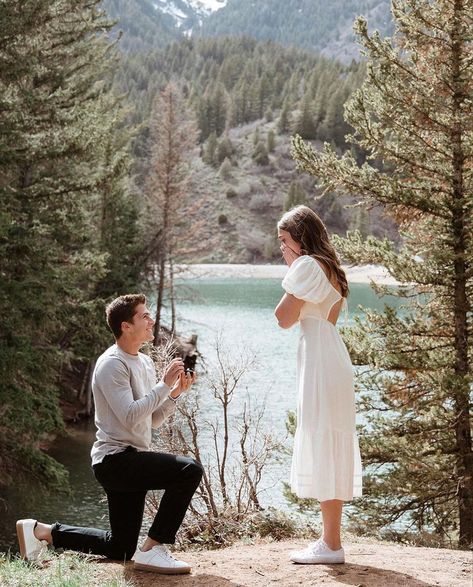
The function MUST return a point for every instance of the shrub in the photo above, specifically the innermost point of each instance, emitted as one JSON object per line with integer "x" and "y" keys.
{"x": 232, "y": 193}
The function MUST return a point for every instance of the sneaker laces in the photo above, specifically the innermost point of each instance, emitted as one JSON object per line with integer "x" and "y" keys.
{"x": 165, "y": 552}
{"x": 317, "y": 546}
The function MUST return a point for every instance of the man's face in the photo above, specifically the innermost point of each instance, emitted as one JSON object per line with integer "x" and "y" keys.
{"x": 141, "y": 328}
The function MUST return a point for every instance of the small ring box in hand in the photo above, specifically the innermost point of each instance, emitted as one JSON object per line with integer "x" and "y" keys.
{"x": 189, "y": 363}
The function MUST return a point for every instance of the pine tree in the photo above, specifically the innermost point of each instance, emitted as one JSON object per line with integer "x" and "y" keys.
{"x": 225, "y": 170}
{"x": 260, "y": 154}
{"x": 56, "y": 115}
{"x": 414, "y": 117}
{"x": 271, "y": 141}
{"x": 210, "y": 153}
{"x": 224, "y": 149}
{"x": 284, "y": 123}
{"x": 295, "y": 196}
{"x": 305, "y": 126}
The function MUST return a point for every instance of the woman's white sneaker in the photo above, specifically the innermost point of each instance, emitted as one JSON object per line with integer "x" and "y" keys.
{"x": 159, "y": 560}
{"x": 30, "y": 547}
{"x": 318, "y": 553}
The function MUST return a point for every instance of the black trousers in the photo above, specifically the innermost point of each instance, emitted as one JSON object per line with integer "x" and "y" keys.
{"x": 126, "y": 478}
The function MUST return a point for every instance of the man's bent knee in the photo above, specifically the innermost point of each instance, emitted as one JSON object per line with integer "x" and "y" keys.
{"x": 194, "y": 470}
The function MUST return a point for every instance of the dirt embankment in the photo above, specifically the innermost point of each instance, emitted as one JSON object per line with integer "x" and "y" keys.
{"x": 368, "y": 564}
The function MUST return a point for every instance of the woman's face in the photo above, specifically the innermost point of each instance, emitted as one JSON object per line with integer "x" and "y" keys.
{"x": 286, "y": 239}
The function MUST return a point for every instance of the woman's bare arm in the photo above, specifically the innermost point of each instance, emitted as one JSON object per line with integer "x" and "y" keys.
{"x": 288, "y": 310}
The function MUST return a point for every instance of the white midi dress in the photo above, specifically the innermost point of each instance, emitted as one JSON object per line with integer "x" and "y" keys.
{"x": 326, "y": 461}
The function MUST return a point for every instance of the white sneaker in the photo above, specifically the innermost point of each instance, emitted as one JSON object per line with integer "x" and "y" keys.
{"x": 159, "y": 560}
{"x": 30, "y": 547}
{"x": 318, "y": 553}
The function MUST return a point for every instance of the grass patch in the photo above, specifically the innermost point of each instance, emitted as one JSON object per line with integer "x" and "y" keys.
{"x": 55, "y": 570}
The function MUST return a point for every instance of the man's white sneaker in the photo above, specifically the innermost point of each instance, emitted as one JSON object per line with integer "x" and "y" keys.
{"x": 159, "y": 560}
{"x": 318, "y": 553}
{"x": 30, "y": 547}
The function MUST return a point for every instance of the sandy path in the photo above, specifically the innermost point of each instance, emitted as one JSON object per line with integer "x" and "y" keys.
{"x": 368, "y": 565}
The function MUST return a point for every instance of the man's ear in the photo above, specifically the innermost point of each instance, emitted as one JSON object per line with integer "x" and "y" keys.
{"x": 125, "y": 326}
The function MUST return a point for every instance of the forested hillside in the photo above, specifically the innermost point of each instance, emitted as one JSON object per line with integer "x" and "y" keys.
{"x": 326, "y": 27}
{"x": 143, "y": 26}
{"x": 248, "y": 98}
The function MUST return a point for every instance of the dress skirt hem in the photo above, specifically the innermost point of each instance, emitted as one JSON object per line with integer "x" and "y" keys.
{"x": 311, "y": 477}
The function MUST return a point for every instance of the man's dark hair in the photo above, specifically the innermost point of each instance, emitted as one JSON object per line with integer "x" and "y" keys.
{"x": 122, "y": 309}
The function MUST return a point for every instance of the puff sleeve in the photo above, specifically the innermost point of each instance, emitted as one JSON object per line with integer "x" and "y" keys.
{"x": 306, "y": 280}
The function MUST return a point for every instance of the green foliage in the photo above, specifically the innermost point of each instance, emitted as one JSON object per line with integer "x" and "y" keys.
{"x": 271, "y": 141}
{"x": 312, "y": 24}
{"x": 224, "y": 149}
{"x": 144, "y": 28}
{"x": 67, "y": 220}
{"x": 260, "y": 154}
{"x": 210, "y": 151}
{"x": 305, "y": 125}
{"x": 284, "y": 123}
{"x": 295, "y": 196}
{"x": 225, "y": 170}
{"x": 232, "y": 193}
{"x": 223, "y": 82}
{"x": 413, "y": 115}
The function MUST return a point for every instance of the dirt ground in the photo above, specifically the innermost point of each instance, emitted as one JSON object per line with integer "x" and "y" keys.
{"x": 259, "y": 565}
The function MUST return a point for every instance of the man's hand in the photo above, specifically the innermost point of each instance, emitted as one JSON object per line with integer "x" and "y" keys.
{"x": 173, "y": 371}
{"x": 288, "y": 254}
{"x": 182, "y": 384}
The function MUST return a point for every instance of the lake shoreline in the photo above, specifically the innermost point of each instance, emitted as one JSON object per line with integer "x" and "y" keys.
{"x": 355, "y": 274}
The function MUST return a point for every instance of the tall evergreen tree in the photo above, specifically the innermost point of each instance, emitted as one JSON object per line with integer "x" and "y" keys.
{"x": 305, "y": 126}
{"x": 284, "y": 123}
{"x": 56, "y": 115}
{"x": 295, "y": 196}
{"x": 414, "y": 117}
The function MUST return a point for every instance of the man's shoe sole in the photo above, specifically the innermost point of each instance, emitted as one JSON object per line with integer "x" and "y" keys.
{"x": 161, "y": 570}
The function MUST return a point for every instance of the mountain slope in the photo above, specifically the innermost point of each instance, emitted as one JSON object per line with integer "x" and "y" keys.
{"x": 144, "y": 26}
{"x": 312, "y": 24}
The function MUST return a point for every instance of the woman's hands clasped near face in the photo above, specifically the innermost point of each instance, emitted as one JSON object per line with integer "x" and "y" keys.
{"x": 288, "y": 254}
{"x": 290, "y": 249}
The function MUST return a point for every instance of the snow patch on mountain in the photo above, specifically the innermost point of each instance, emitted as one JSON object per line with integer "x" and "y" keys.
{"x": 207, "y": 6}
{"x": 187, "y": 13}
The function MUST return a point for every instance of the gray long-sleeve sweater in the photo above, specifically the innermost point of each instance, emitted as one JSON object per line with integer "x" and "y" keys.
{"x": 128, "y": 402}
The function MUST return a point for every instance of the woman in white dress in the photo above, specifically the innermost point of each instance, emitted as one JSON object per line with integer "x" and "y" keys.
{"x": 326, "y": 462}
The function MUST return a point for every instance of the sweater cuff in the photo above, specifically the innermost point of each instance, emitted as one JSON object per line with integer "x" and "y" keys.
{"x": 168, "y": 406}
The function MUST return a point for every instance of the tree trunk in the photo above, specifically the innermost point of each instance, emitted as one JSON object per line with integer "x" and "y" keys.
{"x": 171, "y": 295}
{"x": 464, "y": 463}
{"x": 159, "y": 301}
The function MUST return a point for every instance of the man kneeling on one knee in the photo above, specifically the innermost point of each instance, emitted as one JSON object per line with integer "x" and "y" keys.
{"x": 128, "y": 404}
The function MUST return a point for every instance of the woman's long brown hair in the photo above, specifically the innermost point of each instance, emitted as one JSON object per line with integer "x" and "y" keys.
{"x": 307, "y": 229}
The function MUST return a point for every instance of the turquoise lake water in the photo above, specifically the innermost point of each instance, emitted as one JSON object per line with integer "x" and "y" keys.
{"x": 240, "y": 313}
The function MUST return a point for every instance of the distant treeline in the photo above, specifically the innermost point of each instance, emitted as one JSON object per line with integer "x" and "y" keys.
{"x": 233, "y": 81}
